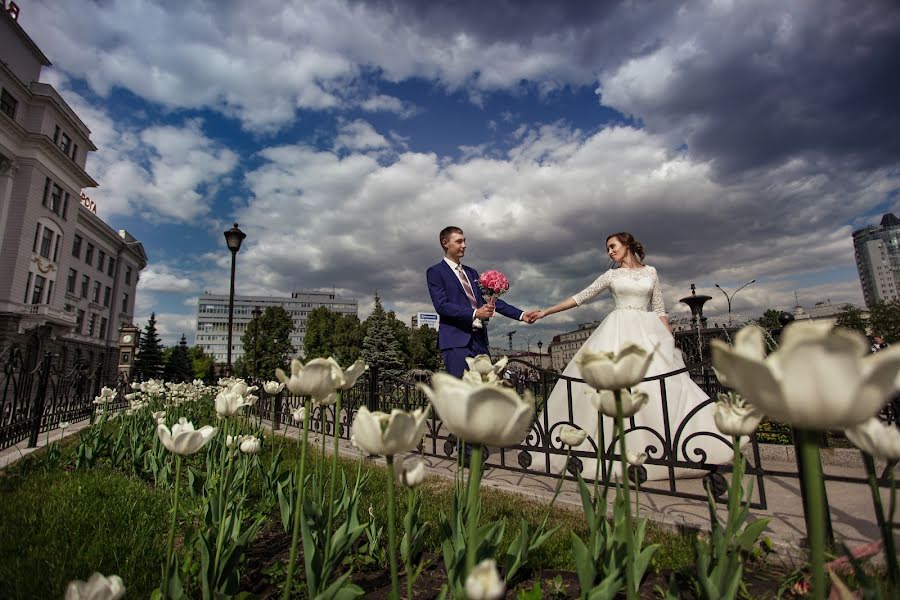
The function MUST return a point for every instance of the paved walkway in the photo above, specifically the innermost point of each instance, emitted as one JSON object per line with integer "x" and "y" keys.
{"x": 852, "y": 514}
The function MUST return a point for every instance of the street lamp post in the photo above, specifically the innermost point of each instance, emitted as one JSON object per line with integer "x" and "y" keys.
{"x": 233, "y": 237}
{"x": 729, "y": 297}
{"x": 540, "y": 346}
{"x": 257, "y": 313}
{"x": 528, "y": 339}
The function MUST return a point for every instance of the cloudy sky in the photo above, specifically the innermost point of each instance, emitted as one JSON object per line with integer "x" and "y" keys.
{"x": 736, "y": 140}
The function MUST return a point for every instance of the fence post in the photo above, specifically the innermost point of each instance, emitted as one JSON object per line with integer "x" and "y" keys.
{"x": 38, "y": 414}
{"x": 276, "y": 418}
{"x": 373, "y": 389}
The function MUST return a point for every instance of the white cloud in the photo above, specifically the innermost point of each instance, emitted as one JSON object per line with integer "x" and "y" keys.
{"x": 161, "y": 278}
{"x": 170, "y": 326}
{"x": 359, "y": 135}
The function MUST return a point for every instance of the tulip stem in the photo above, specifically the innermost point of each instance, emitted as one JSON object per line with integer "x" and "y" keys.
{"x": 629, "y": 529}
{"x": 812, "y": 468}
{"x": 887, "y": 537}
{"x": 473, "y": 507}
{"x": 555, "y": 493}
{"x": 170, "y": 544}
{"x": 298, "y": 509}
{"x": 410, "y": 502}
{"x": 334, "y": 458}
{"x": 392, "y": 530}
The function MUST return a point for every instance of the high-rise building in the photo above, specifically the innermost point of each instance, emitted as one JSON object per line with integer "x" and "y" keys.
{"x": 212, "y": 318}
{"x": 68, "y": 280}
{"x": 877, "y": 250}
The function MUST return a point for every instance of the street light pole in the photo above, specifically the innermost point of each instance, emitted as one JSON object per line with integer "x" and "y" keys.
{"x": 233, "y": 237}
{"x": 730, "y": 297}
{"x": 540, "y": 346}
{"x": 528, "y": 340}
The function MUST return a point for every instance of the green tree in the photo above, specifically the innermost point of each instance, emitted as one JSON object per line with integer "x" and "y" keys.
{"x": 239, "y": 368}
{"x": 401, "y": 334}
{"x": 884, "y": 320}
{"x": 178, "y": 363}
{"x": 381, "y": 349}
{"x": 267, "y": 343}
{"x": 149, "y": 364}
{"x": 423, "y": 349}
{"x": 201, "y": 363}
{"x": 332, "y": 334}
{"x": 851, "y": 317}
{"x": 769, "y": 319}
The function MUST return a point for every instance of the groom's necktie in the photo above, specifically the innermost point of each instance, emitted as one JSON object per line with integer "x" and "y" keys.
{"x": 467, "y": 287}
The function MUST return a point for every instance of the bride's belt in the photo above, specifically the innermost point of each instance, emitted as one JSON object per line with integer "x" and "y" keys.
{"x": 640, "y": 308}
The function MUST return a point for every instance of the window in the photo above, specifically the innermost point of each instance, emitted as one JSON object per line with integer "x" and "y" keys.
{"x": 8, "y": 104}
{"x": 70, "y": 283}
{"x": 65, "y": 143}
{"x": 46, "y": 242}
{"x": 112, "y": 264}
{"x": 50, "y": 291}
{"x": 128, "y": 275}
{"x": 103, "y": 328}
{"x": 75, "y": 152}
{"x": 38, "y": 291}
{"x": 89, "y": 254}
{"x": 79, "y": 323}
{"x": 125, "y": 302}
{"x": 107, "y": 295}
{"x": 101, "y": 260}
{"x": 85, "y": 282}
{"x": 27, "y": 286}
{"x": 56, "y": 248}
{"x": 76, "y": 246}
{"x": 96, "y": 295}
{"x": 92, "y": 324}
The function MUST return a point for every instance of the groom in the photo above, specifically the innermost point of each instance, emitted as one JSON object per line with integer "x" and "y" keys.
{"x": 457, "y": 299}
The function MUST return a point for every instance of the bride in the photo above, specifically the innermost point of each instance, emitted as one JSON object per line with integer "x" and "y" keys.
{"x": 634, "y": 287}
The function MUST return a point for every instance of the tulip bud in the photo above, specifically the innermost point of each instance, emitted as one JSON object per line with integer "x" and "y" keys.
{"x": 572, "y": 436}
{"x": 484, "y": 582}
{"x": 97, "y": 587}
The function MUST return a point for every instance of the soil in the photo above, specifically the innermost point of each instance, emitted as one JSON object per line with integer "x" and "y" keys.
{"x": 261, "y": 577}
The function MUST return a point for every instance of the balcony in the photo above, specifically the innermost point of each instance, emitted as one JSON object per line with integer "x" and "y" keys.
{"x": 34, "y": 315}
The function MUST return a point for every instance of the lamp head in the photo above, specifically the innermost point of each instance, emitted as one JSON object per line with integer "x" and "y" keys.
{"x": 234, "y": 237}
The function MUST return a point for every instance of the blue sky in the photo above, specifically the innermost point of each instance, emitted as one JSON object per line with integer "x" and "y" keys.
{"x": 735, "y": 140}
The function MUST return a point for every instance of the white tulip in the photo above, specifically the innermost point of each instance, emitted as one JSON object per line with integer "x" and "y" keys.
{"x": 484, "y": 582}
{"x": 250, "y": 444}
{"x": 318, "y": 379}
{"x": 733, "y": 416}
{"x": 881, "y": 440}
{"x": 412, "y": 473}
{"x": 817, "y": 379}
{"x": 183, "y": 439}
{"x": 229, "y": 403}
{"x": 160, "y": 414}
{"x": 605, "y": 402}
{"x": 635, "y": 459}
{"x": 273, "y": 387}
{"x": 572, "y": 436}
{"x": 482, "y": 370}
{"x": 64, "y": 425}
{"x": 482, "y": 414}
{"x": 614, "y": 370}
{"x": 352, "y": 373}
{"x": 388, "y": 434}
{"x": 749, "y": 342}
{"x": 97, "y": 587}
{"x": 298, "y": 414}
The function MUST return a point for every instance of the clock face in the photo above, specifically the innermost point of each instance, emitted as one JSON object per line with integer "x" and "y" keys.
{"x": 127, "y": 338}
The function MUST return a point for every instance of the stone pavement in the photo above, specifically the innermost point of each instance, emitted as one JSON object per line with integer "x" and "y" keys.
{"x": 852, "y": 514}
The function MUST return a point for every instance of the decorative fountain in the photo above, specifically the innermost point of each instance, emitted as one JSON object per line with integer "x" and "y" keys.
{"x": 696, "y": 303}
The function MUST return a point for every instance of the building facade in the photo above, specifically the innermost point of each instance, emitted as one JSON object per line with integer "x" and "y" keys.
{"x": 877, "y": 250}
{"x": 212, "y": 318}
{"x": 68, "y": 280}
{"x": 563, "y": 347}
{"x": 425, "y": 319}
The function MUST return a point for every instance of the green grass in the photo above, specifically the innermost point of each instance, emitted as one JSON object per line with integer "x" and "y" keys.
{"x": 61, "y": 525}
{"x": 65, "y": 525}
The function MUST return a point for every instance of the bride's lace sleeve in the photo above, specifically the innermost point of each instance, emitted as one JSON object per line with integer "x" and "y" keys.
{"x": 656, "y": 300}
{"x": 600, "y": 284}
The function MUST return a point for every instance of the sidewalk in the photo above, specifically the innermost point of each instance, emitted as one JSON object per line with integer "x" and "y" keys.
{"x": 852, "y": 514}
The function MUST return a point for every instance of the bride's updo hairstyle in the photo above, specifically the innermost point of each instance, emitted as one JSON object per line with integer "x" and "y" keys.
{"x": 627, "y": 240}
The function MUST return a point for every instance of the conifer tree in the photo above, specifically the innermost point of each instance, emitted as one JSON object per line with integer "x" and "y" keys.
{"x": 149, "y": 362}
{"x": 179, "y": 366}
{"x": 380, "y": 346}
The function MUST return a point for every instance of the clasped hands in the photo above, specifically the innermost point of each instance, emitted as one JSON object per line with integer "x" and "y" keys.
{"x": 531, "y": 316}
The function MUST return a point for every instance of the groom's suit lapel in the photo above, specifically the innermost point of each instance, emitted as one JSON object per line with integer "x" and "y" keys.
{"x": 449, "y": 272}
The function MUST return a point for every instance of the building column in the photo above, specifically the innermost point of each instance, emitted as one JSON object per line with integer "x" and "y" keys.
{"x": 8, "y": 170}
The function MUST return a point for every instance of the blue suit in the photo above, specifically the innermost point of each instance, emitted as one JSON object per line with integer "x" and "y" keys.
{"x": 457, "y": 339}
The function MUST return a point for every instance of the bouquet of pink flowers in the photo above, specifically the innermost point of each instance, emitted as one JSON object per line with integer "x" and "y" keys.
{"x": 493, "y": 284}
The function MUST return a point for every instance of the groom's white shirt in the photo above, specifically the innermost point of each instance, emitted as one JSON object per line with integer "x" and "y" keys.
{"x": 454, "y": 266}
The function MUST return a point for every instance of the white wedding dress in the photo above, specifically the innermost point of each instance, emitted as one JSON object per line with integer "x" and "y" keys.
{"x": 631, "y": 322}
